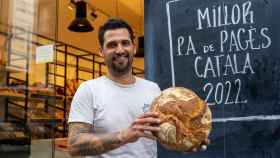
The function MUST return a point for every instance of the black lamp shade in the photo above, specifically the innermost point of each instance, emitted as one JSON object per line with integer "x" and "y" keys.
{"x": 80, "y": 23}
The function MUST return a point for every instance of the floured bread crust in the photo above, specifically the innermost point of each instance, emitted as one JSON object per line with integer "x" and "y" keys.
{"x": 186, "y": 119}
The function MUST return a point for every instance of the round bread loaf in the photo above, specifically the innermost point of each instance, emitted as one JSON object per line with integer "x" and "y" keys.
{"x": 186, "y": 120}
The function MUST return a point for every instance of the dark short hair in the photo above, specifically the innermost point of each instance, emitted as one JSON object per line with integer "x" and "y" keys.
{"x": 112, "y": 24}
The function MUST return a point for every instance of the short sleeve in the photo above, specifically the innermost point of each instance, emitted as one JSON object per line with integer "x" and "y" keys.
{"x": 157, "y": 90}
{"x": 82, "y": 108}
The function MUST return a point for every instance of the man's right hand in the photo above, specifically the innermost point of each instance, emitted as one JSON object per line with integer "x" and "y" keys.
{"x": 143, "y": 126}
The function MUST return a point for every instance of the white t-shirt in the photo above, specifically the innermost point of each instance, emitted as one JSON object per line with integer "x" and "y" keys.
{"x": 111, "y": 107}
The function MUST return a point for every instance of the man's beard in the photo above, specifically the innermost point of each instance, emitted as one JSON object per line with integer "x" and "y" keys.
{"x": 120, "y": 68}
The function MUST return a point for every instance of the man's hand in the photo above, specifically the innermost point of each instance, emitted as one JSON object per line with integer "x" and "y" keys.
{"x": 143, "y": 126}
{"x": 203, "y": 146}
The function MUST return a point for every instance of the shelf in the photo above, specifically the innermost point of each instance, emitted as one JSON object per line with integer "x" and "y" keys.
{"x": 37, "y": 118}
{"x": 80, "y": 68}
{"x": 20, "y": 101}
{"x": 44, "y": 97}
{"x": 11, "y": 69}
{"x": 15, "y": 116}
{"x": 56, "y": 107}
{"x": 33, "y": 96}
{"x": 13, "y": 133}
{"x": 61, "y": 63}
{"x": 12, "y": 95}
{"x": 43, "y": 118}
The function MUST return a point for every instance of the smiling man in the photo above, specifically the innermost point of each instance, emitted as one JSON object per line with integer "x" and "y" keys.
{"x": 107, "y": 118}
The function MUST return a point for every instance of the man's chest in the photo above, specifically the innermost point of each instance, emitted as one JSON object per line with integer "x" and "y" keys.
{"x": 114, "y": 112}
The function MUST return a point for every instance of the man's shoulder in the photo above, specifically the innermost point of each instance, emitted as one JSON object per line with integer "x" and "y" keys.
{"x": 147, "y": 82}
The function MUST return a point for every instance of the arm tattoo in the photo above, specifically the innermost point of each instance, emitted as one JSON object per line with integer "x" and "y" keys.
{"x": 82, "y": 142}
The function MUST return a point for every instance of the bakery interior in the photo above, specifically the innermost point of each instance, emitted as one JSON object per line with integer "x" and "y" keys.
{"x": 44, "y": 56}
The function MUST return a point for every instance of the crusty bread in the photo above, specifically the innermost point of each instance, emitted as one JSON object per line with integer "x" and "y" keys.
{"x": 71, "y": 86}
{"x": 186, "y": 119}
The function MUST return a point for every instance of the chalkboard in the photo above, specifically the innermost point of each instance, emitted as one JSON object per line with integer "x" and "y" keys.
{"x": 228, "y": 52}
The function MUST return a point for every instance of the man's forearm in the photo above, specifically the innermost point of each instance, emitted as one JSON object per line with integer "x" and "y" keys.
{"x": 89, "y": 144}
{"x": 82, "y": 142}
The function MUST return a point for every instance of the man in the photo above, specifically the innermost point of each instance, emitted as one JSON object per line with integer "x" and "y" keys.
{"x": 107, "y": 117}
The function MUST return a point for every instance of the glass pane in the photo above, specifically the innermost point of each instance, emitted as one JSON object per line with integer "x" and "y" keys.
{"x": 29, "y": 117}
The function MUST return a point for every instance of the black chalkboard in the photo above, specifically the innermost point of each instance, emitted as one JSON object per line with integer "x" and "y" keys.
{"x": 228, "y": 52}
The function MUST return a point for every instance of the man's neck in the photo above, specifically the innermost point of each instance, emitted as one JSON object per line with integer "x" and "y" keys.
{"x": 123, "y": 79}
